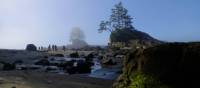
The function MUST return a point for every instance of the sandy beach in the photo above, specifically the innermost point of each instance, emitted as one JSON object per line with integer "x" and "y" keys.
{"x": 20, "y": 79}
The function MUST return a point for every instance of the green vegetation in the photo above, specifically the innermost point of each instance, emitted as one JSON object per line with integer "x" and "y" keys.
{"x": 122, "y": 31}
{"x": 140, "y": 80}
{"x": 119, "y": 19}
{"x": 170, "y": 65}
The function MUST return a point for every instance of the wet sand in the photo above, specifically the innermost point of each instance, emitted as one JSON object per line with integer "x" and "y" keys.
{"x": 21, "y": 79}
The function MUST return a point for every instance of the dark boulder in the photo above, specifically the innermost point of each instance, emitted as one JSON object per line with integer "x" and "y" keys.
{"x": 43, "y": 62}
{"x": 74, "y": 55}
{"x": 31, "y": 47}
{"x": 58, "y": 55}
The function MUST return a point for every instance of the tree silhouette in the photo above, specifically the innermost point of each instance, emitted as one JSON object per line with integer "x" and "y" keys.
{"x": 119, "y": 19}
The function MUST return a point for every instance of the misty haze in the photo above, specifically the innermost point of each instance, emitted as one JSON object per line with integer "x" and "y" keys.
{"x": 99, "y": 43}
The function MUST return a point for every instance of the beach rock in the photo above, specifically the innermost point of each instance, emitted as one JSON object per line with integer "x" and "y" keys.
{"x": 31, "y": 47}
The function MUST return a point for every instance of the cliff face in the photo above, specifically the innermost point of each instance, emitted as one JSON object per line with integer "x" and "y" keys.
{"x": 172, "y": 65}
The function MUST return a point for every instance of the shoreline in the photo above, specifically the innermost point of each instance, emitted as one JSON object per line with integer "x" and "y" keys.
{"x": 51, "y": 80}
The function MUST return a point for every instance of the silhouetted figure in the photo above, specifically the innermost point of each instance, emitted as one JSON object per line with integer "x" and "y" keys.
{"x": 55, "y": 48}
{"x": 49, "y": 48}
{"x": 64, "y": 48}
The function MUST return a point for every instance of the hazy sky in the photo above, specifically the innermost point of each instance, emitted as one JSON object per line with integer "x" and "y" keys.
{"x": 44, "y": 22}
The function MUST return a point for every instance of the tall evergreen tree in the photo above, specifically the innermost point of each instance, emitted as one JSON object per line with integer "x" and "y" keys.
{"x": 119, "y": 19}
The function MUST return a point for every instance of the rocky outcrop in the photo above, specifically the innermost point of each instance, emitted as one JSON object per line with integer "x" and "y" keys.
{"x": 127, "y": 35}
{"x": 171, "y": 65}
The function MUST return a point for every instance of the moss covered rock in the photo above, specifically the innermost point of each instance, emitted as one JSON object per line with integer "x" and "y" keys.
{"x": 172, "y": 65}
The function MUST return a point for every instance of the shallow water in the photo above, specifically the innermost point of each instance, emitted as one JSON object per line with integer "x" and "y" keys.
{"x": 97, "y": 71}
{"x": 105, "y": 73}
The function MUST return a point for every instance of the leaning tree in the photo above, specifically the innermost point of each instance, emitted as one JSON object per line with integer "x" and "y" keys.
{"x": 118, "y": 20}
